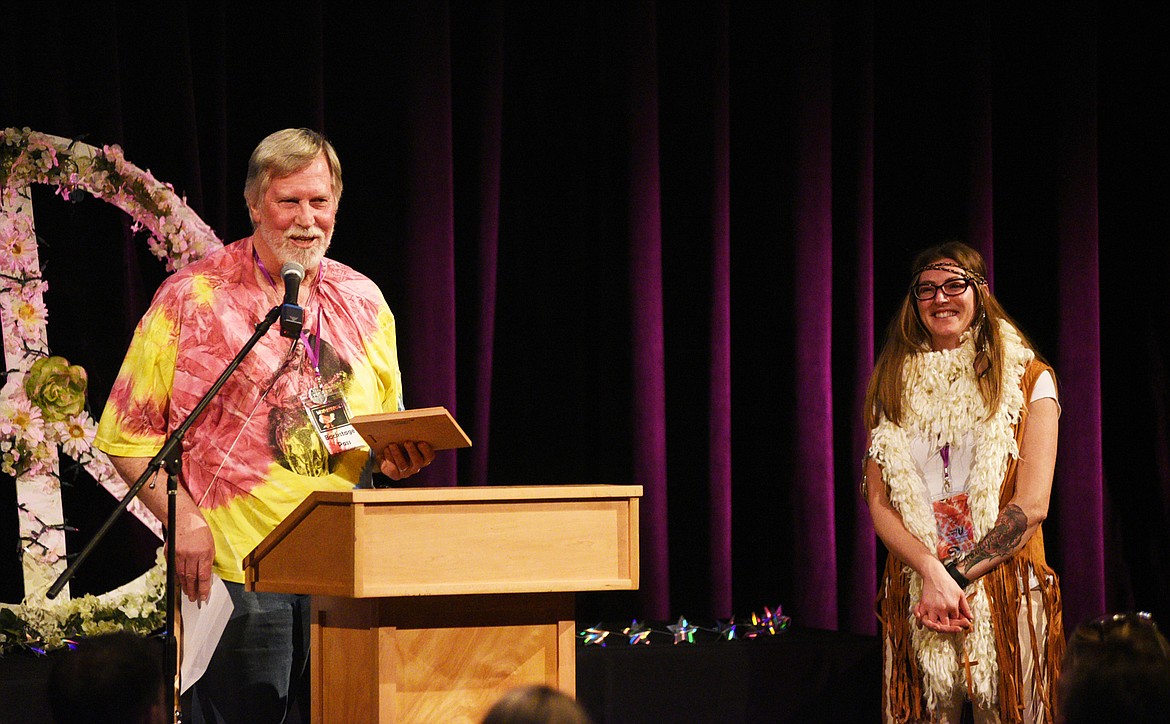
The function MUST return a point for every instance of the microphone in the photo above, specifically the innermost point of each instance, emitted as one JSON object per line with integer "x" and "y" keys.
{"x": 292, "y": 316}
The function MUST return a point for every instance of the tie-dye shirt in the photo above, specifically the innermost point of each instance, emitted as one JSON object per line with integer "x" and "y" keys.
{"x": 252, "y": 456}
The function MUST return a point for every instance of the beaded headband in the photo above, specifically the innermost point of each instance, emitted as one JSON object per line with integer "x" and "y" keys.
{"x": 951, "y": 267}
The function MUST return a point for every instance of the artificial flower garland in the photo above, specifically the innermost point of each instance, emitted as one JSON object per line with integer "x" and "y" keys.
{"x": 42, "y": 404}
{"x": 943, "y": 403}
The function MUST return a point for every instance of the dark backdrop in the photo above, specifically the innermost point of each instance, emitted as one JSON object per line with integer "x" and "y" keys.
{"x": 630, "y": 242}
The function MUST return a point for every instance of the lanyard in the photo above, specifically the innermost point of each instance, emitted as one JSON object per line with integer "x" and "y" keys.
{"x": 945, "y": 453}
{"x": 313, "y": 351}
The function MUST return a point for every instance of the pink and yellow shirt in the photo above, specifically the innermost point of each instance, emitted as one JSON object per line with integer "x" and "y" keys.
{"x": 253, "y": 455}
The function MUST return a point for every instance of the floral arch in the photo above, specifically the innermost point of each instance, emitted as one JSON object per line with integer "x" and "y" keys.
{"x": 43, "y": 407}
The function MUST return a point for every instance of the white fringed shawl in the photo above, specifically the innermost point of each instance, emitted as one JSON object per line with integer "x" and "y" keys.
{"x": 941, "y": 402}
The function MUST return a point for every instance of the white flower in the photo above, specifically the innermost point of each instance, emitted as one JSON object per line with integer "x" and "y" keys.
{"x": 76, "y": 434}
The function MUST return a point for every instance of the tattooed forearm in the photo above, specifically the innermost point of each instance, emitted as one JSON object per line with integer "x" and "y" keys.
{"x": 1001, "y": 540}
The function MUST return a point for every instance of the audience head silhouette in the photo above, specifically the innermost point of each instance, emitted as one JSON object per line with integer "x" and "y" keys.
{"x": 536, "y": 705}
{"x": 1116, "y": 668}
{"x": 112, "y": 678}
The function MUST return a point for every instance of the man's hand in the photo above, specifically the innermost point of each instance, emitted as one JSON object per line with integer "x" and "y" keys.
{"x": 194, "y": 552}
{"x": 194, "y": 545}
{"x": 400, "y": 461}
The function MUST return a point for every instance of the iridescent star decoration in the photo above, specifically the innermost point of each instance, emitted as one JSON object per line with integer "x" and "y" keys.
{"x": 683, "y": 631}
{"x": 726, "y": 629}
{"x": 770, "y": 623}
{"x": 639, "y": 633}
{"x": 775, "y": 620}
{"x": 595, "y": 635}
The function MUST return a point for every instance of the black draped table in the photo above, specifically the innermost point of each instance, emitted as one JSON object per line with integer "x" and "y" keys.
{"x": 797, "y": 675}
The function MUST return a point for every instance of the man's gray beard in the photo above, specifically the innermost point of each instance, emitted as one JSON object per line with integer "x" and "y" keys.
{"x": 308, "y": 258}
{"x": 286, "y": 251}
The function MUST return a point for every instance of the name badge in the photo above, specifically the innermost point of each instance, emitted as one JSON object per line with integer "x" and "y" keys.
{"x": 329, "y": 413}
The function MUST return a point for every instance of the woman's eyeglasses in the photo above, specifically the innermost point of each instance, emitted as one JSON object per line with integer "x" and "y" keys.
{"x": 925, "y": 291}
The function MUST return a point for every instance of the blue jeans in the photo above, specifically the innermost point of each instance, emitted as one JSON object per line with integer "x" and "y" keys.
{"x": 259, "y": 673}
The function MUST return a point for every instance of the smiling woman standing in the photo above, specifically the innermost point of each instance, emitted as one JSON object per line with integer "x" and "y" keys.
{"x": 962, "y": 416}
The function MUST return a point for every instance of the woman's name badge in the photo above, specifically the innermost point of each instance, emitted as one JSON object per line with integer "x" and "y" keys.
{"x": 329, "y": 414}
{"x": 956, "y": 531}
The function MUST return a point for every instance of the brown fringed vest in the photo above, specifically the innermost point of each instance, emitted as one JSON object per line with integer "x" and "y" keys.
{"x": 1006, "y": 585}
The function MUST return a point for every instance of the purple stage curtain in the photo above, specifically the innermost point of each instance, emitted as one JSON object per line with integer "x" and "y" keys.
{"x": 647, "y": 358}
{"x": 1080, "y": 497}
{"x": 428, "y": 246}
{"x": 812, "y": 236}
{"x": 639, "y": 242}
{"x": 719, "y": 459}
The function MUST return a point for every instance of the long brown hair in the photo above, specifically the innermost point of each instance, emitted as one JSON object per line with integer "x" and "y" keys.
{"x": 907, "y": 335}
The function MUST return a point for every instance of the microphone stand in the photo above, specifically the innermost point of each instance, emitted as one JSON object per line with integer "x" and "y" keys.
{"x": 170, "y": 456}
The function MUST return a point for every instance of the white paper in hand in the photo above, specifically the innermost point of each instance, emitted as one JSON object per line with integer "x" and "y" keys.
{"x": 202, "y": 626}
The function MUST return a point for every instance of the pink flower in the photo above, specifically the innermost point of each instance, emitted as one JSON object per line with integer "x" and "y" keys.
{"x": 22, "y": 252}
{"x": 33, "y": 290}
{"x": 23, "y": 420}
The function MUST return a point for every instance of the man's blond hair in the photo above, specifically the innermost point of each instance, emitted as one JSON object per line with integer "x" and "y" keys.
{"x": 286, "y": 152}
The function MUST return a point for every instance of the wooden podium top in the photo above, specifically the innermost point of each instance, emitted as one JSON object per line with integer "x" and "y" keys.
{"x": 453, "y": 540}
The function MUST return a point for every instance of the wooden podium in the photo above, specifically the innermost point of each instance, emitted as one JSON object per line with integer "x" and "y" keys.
{"x": 429, "y": 603}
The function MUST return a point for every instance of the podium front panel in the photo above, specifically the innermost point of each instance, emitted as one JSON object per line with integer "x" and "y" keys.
{"x": 447, "y": 541}
{"x": 436, "y": 658}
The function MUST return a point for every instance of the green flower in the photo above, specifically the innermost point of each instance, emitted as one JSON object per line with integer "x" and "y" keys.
{"x": 57, "y": 387}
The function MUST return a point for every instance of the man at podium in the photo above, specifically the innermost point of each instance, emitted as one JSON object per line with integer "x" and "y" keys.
{"x": 277, "y": 430}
